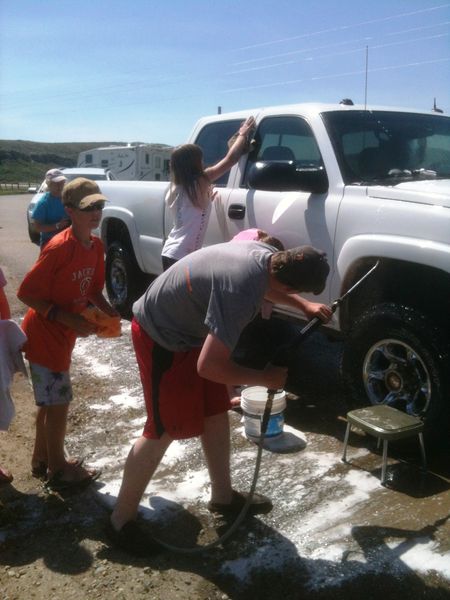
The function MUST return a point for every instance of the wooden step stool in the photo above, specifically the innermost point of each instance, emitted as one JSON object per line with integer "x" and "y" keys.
{"x": 385, "y": 423}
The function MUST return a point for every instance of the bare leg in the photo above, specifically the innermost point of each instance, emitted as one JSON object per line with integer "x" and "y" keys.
{"x": 40, "y": 442}
{"x": 142, "y": 462}
{"x": 69, "y": 466}
{"x": 216, "y": 447}
{"x": 55, "y": 433}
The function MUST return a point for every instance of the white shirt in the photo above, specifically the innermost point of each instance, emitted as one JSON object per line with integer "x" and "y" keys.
{"x": 12, "y": 338}
{"x": 190, "y": 223}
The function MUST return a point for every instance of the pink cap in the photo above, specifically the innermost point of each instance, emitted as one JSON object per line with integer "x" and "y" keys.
{"x": 247, "y": 234}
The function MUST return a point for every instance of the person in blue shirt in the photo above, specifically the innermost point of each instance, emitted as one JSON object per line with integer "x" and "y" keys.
{"x": 49, "y": 214}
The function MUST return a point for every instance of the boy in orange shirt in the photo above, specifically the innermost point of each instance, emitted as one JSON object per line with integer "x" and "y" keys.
{"x": 67, "y": 276}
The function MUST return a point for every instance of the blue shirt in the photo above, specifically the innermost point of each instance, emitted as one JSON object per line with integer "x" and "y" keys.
{"x": 48, "y": 211}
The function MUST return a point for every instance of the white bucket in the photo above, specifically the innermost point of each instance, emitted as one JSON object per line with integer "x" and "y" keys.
{"x": 253, "y": 403}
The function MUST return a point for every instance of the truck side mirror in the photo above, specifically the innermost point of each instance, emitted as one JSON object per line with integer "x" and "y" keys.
{"x": 287, "y": 176}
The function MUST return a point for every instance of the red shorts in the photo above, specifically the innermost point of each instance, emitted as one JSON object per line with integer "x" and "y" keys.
{"x": 177, "y": 399}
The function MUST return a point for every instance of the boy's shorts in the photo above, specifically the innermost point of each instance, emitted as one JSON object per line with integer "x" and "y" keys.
{"x": 177, "y": 399}
{"x": 50, "y": 388}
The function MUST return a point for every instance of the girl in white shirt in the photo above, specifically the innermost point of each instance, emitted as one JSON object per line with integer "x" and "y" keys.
{"x": 190, "y": 194}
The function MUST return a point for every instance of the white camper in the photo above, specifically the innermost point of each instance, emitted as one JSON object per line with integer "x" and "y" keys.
{"x": 149, "y": 162}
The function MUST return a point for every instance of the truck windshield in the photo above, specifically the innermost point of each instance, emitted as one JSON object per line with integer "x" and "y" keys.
{"x": 383, "y": 146}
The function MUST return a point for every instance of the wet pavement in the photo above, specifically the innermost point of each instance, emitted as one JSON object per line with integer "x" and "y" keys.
{"x": 332, "y": 525}
{"x": 334, "y": 530}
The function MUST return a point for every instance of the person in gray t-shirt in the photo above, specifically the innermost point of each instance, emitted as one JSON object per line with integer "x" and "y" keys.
{"x": 184, "y": 330}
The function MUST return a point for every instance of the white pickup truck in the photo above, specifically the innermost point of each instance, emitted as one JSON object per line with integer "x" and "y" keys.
{"x": 362, "y": 184}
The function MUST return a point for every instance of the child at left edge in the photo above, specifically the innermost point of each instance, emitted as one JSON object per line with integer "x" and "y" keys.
{"x": 5, "y": 313}
{"x": 68, "y": 275}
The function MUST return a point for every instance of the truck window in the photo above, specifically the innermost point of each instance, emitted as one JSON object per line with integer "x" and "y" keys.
{"x": 285, "y": 139}
{"x": 213, "y": 140}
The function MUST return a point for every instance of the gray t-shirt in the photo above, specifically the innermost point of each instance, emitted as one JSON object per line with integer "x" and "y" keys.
{"x": 218, "y": 289}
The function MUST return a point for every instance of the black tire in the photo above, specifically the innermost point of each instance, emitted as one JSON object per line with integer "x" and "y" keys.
{"x": 125, "y": 282}
{"x": 395, "y": 355}
{"x": 34, "y": 235}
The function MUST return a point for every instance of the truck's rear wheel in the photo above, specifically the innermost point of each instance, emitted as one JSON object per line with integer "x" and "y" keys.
{"x": 394, "y": 355}
{"x": 33, "y": 234}
{"x": 125, "y": 281}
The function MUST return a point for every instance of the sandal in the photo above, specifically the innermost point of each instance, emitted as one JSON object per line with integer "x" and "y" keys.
{"x": 260, "y": 505}
{"x": 58, "y": 484}
{"x": 5, "y": 476}
{"x": 40, "y": 470}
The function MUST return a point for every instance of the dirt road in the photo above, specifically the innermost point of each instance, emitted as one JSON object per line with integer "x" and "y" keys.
{"x": 334, "y": 531}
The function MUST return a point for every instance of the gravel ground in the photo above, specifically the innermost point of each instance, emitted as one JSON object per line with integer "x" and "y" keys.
{"x": 334, "y": 530}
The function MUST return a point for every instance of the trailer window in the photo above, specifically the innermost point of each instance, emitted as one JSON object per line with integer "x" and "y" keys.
{"x": 166, "y": 167}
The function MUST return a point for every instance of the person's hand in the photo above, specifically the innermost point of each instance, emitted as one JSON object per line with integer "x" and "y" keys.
{"x": 239, "y": 141}
{"x": 79, "y": 324}
{"x": 316, "y": 309}
{"x": 247, "y": 126}
{"x": 275, "y": 377}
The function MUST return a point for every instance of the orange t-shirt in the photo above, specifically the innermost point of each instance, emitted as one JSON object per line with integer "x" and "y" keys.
{"x": 65, "y": 274}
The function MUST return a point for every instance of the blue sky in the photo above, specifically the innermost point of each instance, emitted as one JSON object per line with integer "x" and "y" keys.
{"x": 97, "y": 70}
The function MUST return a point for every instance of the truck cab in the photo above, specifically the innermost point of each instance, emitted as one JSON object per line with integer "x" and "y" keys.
{"x": 364, "y": 185}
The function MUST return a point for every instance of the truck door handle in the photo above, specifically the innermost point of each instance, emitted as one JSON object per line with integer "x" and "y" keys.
{"x": 236, "y": 211}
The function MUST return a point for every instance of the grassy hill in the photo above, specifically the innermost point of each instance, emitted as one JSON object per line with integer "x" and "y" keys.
{"x": 25, "y": 161}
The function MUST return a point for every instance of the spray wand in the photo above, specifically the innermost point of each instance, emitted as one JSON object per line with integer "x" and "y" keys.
{"x": 311, "y": 326}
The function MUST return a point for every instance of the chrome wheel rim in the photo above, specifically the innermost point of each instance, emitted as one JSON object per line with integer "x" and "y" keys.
{"x": 395, "y": 374}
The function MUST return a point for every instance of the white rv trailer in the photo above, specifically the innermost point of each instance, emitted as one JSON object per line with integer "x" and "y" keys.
{"x": 149, "y": 162}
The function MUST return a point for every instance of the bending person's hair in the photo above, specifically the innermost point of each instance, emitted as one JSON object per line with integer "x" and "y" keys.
{"x": 303, "y": 268}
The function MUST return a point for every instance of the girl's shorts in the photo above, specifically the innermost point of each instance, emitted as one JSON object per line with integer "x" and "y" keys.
{"x": 50, "y": 388}
{"x": 177, "y": 399}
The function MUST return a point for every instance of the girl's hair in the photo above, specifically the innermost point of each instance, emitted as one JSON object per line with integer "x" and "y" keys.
{"x": 186, "y": 166}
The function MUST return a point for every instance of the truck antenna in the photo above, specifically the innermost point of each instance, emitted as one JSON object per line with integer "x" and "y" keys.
{"x": 436, "y": 109}
{"x": 365, "y": 84}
